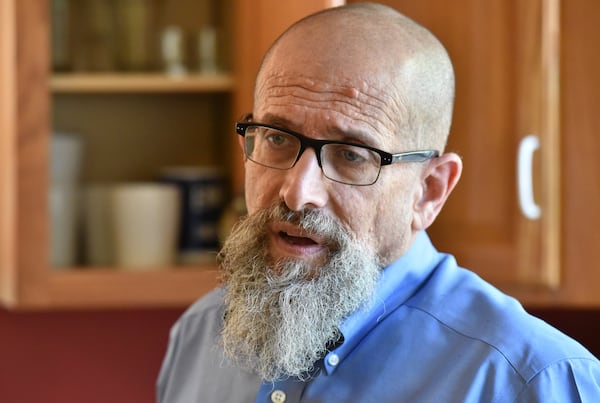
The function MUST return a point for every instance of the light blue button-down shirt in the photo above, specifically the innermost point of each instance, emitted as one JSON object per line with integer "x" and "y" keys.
{"x": 433, "y": 333}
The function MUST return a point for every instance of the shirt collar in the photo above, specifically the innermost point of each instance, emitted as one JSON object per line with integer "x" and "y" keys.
{"x": 397, "y": 283}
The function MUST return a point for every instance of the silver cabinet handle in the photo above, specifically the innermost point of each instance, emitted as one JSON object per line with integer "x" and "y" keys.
{"x": 527, "y": 148}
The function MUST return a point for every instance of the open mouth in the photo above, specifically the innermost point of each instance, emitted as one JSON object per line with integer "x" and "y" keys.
{"x": 297, "y": 240}
{"x": 291, "y": 241}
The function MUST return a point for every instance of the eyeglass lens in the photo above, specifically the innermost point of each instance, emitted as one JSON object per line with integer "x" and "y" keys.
{"x": 339, "y": 162}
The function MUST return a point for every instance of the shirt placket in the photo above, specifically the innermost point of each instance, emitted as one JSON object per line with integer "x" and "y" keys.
{"x": 286, "y": 391}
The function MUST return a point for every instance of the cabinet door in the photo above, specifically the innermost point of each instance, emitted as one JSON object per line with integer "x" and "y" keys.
{"x": 505, "y": 58}
{"x": 7, "y": 157}
{"x": 580, "y": 88}
{"x": 23, "y": 141}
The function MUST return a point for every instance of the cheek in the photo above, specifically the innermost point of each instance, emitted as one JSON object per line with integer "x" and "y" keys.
{"x": 387, "y": 224}
{"x": 390, "y": 232}
{"x": 261, "y": 187}
{"x": 363, "y": 215}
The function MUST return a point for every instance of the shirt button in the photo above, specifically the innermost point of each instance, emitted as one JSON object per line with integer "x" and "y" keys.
{"x": 278, "y": 396}
{"x": 333, "y": 360}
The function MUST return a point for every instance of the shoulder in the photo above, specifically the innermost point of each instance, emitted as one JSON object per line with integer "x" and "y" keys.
{"x": 468, "y": 306}
{"x": 202, "y": 319}
{"x": 210, "y": 306}
{"x": 199, "y": 326}
{"x": 574, "y": 379}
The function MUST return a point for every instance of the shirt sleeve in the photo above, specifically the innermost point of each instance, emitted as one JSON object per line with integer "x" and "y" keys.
{"x": 569, "y": 380}
{"x": 167, "y": 364}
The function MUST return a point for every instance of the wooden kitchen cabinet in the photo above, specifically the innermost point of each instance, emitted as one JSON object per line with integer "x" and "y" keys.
{"x": 523, "y": 68}
{"x": 32, "y": 100}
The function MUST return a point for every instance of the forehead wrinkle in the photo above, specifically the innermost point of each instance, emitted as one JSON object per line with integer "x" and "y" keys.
{"x": 319, "y": 105}
{"x": 316, "y": 108}
{"x": 387, "y": 108}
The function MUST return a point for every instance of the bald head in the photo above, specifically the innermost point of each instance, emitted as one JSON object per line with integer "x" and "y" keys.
{"x": 374, "y": 50}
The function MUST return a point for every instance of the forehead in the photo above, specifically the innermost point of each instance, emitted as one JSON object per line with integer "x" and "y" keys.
{"x": 327, "y": 100}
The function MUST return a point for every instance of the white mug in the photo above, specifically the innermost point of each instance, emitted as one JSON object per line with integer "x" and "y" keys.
{"x": 146, "y": 224}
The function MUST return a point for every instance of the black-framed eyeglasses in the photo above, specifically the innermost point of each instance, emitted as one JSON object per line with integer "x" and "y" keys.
{"x": 340, "y": 161}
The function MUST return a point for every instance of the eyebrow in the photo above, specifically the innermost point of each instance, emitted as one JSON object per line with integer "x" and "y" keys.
{"x": 352, "y": 136}
{"x": 277, "y": 121}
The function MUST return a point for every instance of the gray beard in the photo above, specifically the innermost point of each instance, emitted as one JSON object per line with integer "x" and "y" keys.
{"x": 281, "y": 316}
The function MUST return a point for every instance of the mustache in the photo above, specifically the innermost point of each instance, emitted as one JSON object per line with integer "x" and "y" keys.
{"x": 312, "y": 221}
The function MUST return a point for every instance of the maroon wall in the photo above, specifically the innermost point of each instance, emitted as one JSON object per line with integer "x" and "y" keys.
{"x": 74, "y": 357}
{"x": 114, "y": 356}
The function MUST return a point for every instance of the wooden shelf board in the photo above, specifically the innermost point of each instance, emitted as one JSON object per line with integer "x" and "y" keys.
{"x": 102, "y": 288}
{"x": 139, "y": 83}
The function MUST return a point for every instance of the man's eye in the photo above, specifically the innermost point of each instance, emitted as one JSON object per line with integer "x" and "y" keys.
{"x": 276, "y": 139}
{"x": 351, "y": 155}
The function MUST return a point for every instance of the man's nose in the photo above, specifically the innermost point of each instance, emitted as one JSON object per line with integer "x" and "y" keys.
{"x": 304, "y": 184}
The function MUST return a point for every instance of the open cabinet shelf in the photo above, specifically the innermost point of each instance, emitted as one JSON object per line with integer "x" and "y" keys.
{"x": 196, "y": 106}
{"x": 107, "y": 288}
{"x": 139, "y": 83}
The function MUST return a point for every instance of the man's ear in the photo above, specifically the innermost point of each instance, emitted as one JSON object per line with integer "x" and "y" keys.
{"x": 439, "y": 179}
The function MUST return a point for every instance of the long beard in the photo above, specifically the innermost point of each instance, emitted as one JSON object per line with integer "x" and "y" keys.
{"x": 281, "y": 315}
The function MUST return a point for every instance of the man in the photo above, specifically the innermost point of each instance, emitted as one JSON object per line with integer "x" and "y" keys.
{"x": 332, "y": 289}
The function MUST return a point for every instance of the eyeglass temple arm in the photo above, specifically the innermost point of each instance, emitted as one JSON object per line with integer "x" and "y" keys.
{"x": 414, "y": 156}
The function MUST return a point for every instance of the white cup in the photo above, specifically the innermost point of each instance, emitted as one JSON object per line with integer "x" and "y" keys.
{"x": 146, "y": 223}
